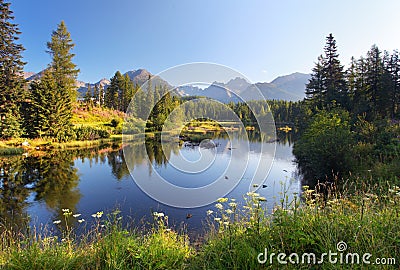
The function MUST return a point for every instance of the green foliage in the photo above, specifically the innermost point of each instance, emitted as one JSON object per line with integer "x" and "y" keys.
{"x": 49, "y": 113}
{"x": 11, "y": 151}
{"x": 10, "y": 126}
{"x": 11, "y": 81}
{"x": 133, "y": 125}
{"x": 324, "y": 149}
{"x": 369, "y": 91}
{"x": 62, "y": 68}
{"x": 327, "y": 85}
{"x": 235, "y": 236}
{"x": 89, "y": 133}
{"x": 107, "y": 245}
{"x": 239, "y": 234}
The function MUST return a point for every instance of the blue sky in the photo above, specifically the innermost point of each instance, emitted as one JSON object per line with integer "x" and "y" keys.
{"x": 261, "y": 39}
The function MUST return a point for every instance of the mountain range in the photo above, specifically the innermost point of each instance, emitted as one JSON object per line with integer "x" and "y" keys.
{"x": 289, "y": 87}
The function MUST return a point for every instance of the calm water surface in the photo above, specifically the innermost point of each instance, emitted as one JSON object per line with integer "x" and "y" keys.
{"x": 87, "y": 181}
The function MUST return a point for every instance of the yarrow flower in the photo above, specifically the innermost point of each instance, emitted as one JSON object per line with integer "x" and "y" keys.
{"x": 209, "y": 212}
{"x": 81, "y": 220}
{"x": 222, "y": 200}
{"x": 232, "y": 204}
{"x": 65, "y": 210}
{"x": 76, "y": 215}
{"x": 57, "y": 221}
{"x": 252, "y": 194}
{"x": 219, "y": 206}
{"x": 229, "y": 211}
{"x": 98, "y": 214}
{"x": 217, "y": 219}
{"x": 156, "y": 214}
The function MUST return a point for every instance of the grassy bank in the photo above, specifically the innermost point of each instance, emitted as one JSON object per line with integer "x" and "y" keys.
{"x": 86, "y": 120}
{"x": 20, "y": 145}
{"x": 235, "y": 237}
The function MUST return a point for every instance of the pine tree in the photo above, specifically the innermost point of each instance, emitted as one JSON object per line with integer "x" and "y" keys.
{"x": 96, "y": 96}
{"x": 375, "y": 87}
{"x": 88, "y": 96}
{"x": 149, "y": 97}
{"x": 334, "y": 80}
{"x": 50, "y": 112}
{"x": 113, "y": 96}
{"x": 327, "y": 86}
{"x": 392, "y": 68}
{"x": 128, "y": 92}
{"x": 53, "y": 96}
{"x": 11, "y": 81}
{"x": 63, "y": 69}
{"x": 315, "y": 88}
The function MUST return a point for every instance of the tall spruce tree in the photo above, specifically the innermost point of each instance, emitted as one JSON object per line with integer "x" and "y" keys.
{"x": 11, "y": 80}
{"x": 334, "y": 79}
{"x": 375, "y": 87}
{"x": 392, "y": 68}
{"x": 315, "y": 91}
{"x": 113, "y": 96}
{"x": 53, "y": 97}
{"x": 63, "y": 69}
{"x": 129, "y": 91}
{"x": 327, "y": 85}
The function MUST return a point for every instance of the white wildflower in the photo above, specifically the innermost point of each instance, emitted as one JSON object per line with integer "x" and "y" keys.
{"x": 232, "y": 204}
{"x": 219, "y": 206}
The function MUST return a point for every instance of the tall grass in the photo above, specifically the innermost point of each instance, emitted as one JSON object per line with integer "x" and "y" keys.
{"x": 236, "y": 235}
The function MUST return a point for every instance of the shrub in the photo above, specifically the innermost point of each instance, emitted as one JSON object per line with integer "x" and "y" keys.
{"x": 324, "y": 149}
{"x": 89, "y": 133}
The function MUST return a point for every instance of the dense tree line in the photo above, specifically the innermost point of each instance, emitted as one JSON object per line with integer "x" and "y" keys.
{"x": 370, "y": 86}
{"x": 349, "y": 120}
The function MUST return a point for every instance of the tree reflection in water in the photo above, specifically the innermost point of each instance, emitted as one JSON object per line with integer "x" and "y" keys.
{"x": 53, "y": 179}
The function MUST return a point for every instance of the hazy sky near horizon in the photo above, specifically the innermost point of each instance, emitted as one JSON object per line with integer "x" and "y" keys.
{"x": 262, "y": 39}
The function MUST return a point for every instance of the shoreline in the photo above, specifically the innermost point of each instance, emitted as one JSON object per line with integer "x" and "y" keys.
{"x": 21, "y": 145}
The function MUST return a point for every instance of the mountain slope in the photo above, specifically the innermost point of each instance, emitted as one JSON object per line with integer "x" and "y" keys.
{"x": 288, "y": 87}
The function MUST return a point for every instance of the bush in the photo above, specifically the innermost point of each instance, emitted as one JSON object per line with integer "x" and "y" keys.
{"x": 115, "y": 122}
{"x": 325, "y": 148}
{"x": 89, "y": 133}
{"x": 133, "y": 126}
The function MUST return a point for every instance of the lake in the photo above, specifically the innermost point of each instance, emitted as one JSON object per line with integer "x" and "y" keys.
{"x": 35, "y": 189}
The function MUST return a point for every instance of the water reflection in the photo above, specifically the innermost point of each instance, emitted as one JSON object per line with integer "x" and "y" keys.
{"x": 89, "y": 180}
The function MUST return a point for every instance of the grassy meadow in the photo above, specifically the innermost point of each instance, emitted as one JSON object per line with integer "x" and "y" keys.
{"x": 235, "y": 236}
